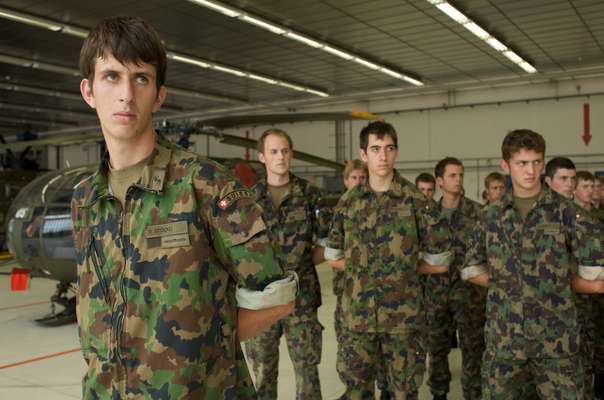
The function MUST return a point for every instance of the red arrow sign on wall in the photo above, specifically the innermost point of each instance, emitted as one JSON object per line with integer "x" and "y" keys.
{"x": 586, "y": 133}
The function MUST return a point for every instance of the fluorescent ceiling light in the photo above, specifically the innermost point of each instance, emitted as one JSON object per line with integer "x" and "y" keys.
{"x": 263, "y": 25}
{"x": 336, "y": 52}
{"x": 262, "y": 78}
{"x": 318, "y": 93}
{"x": 288, "y": 33}
{"x": 217, "y": 7}
{"x": 366, "y": 63}
{"x": 392, "y": 73}
{"x": 483, "y": 35}
{"x": 187, "y": 60}
{"x": 513, "y": 57}
{"x": 452, "y": 12}
{"x": 74, "y": 31}
{"x": 477, "y": 30}
{"x": 413, "y": 81}
{"x": 228, "y": 70}
{"x": 527, "y": 67}
{"x": 303, "y": 39}
{"x": 496, "y": 44}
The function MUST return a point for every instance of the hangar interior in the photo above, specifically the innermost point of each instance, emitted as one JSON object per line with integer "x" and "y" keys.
{"x": 451, "y": 84}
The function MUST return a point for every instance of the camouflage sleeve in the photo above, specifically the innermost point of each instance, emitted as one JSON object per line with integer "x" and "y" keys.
{"x": 322, "y": 215}
{"x": 434, "y": 235}
{"x": 475, "y": 262}
{"x": 586, "y": 238}
{"x": 334, "y": 249}
{"x": 236, "y": 228}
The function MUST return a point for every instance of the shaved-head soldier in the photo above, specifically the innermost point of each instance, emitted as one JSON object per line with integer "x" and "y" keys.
{"x": 297, "y": 217}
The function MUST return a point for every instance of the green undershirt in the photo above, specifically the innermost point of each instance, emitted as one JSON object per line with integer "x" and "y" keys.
{"x": 278, "y": 193}
{"x": 525, "y": 204}
{"x": 121, "y": 179}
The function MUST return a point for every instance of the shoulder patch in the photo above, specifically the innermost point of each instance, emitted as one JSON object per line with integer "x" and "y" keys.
{"x": 232, "y": 197}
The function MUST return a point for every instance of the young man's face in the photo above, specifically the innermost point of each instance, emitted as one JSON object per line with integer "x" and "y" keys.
{"x": 524, "y": 168}
{"x": 427, "y": 188}
{"x": 380, "y": 155}
{"x": 452, "y": 180}
{"x": 277, "y": 155}
{"x": 495, "y": 191}
{"x": 584, "y": 191}
{"x": 564, "y": 182}
{"x": 124, "y": 97}
{"x": 356, "y": 177}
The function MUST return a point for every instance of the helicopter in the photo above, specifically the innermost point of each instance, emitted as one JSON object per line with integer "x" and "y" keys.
{"x": 39, "y": 228}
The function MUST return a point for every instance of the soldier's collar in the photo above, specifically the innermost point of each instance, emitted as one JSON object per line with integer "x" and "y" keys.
{"x": 396, "y": 187}
{"x": 545, "y": 196}
{"x": 295, "y": 183}
{"x": 152, "y": 178}
{"x": 154, "y": 173}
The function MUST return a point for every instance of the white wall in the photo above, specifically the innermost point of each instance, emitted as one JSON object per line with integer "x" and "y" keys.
{"x": 473, "y": 133}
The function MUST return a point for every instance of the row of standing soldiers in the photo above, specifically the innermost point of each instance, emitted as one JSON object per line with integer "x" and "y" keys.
{"x": 403, "y": 276}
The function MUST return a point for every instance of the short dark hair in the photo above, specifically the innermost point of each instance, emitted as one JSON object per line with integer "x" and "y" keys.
{"x": 425, "y": 177}
{"x": 520, "y": 139}
{"x": 439, "y": 170}
{"x": 493, "y": 177}
{"x": 585, "y": 176}
{"x": 557, "y": 163}
{"x": 276, "y": 132}
{"x": 380, "y": 129}
{"x": 129, "y": 40}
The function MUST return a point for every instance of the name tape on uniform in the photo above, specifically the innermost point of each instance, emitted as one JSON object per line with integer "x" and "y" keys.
{"x": 172, "y": 228}
{"x": 232, "y": 197}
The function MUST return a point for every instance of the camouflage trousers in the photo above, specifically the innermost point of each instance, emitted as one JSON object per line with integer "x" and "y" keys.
{"x": 461, "y": 303}
{"x": 382, "y": 381}
{"x": 598, "y": 320}
{"x": 403, "y": 357}
{"x": 303, "y": 334}
{"x": 587, "y": 327}
{"x": 545, "y": 379}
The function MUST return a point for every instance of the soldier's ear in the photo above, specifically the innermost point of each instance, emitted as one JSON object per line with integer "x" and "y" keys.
{"x": 548, "y": 180}
{"x": 505, "y": 166}
{"x": 261, "y": 157}
{"x": 363, "y": 155}
{"x": 86, "y": 91}
{"x": 439, "y": 181}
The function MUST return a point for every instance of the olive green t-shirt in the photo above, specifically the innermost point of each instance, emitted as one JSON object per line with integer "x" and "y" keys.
{"x": 121, "y": 179}
{"x": 278, "y": 193}
{"x": 525, "y": 204}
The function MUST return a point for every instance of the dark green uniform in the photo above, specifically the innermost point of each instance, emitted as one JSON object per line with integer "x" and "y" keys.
{"x": 449, "y": 299}
{"x": 295, "y": 227}
{"x": 531, "y": 332}
{"x": 159, "y": 279}
{"x": 381, "y": 235}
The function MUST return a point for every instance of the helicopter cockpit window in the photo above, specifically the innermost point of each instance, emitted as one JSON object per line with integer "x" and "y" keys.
{"x": 56, "y": 233}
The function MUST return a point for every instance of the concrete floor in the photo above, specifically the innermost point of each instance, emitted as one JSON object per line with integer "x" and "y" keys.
{"x": 59, "y": 376}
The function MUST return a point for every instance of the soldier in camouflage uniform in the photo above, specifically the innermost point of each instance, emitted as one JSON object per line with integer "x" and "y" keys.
{"x": 297, "y": 217}
{"x": 426, "y": 184}
{"x": 165, "y": 257}
{"x": 377, "y": 233}
{"x": 525, "y": 250}
{"x": 598, "y": 311}
{"x": 451, "y": 299}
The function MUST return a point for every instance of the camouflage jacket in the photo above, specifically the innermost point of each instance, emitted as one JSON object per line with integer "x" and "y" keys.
{"x": 380, "y": 237}
{"x": 157, "y": 279}
{"x": 301, "y": 221}
{"x": 461, "y": 224}
{"x": 531, "y": 310}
